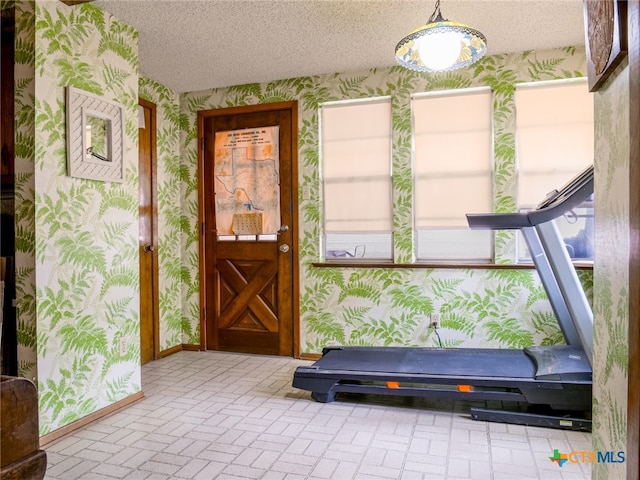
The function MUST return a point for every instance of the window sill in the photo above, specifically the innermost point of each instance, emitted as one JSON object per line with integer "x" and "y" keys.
{"x": 425, "y": 265}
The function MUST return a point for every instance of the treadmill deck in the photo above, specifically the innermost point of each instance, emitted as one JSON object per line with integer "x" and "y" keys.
{"x": 476, "y": 362}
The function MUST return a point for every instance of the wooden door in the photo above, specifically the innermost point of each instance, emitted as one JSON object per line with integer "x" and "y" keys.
{"x": 248, "y": 263}
{"x": 149, "y": 328}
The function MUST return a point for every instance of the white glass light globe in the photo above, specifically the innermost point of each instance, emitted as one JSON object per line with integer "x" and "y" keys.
{"x": 440, "y": 50}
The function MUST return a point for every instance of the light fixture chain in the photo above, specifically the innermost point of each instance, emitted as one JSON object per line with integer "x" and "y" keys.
{"x": 436, "y": 12}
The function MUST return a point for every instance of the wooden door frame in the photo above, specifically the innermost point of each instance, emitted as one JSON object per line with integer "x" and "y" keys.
{"x": 295, "y": 272}
{"x": 154, "y": 223}
{"x": 9, "y": 358}
{"x": 633, "y": 403}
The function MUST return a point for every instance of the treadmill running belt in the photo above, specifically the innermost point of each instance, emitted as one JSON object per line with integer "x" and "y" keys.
{"x": 474, "y": 362}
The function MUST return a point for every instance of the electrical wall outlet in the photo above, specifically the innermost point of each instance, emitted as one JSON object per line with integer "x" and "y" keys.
{"x": 435, "y": 320}
{"x": 123, "y": 346}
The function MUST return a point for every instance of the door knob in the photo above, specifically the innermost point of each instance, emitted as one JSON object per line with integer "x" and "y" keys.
{"x": 149, "y": 248}
{"x": 284, "y": 248}
{"x": 282, "y": 229}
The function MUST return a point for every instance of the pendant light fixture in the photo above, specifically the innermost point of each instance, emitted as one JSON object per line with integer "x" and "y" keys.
{"x": 440, "y": 45}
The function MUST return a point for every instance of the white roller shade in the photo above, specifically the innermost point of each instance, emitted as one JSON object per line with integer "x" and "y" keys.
{"x": 554, "y": 128}
{"x": 356, "y": 166}
{"x": 453, "y": 150}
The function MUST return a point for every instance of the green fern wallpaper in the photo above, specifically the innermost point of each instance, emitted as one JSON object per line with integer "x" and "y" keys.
{"x": 77, "y": 258}
{"x": 25, "y": 188}
{"x": 170, "y": 219}
{"x": 611, "y": 272}
{"x": 382, "y": 306}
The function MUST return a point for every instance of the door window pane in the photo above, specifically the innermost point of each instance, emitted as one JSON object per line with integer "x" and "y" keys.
{"x": 247, "y": 182}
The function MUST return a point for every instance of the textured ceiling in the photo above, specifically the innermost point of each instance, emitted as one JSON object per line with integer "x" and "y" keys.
{"x": 190, "y": 45}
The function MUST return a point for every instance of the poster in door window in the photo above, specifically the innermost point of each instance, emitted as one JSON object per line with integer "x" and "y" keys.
{"x": 247, "y": 181}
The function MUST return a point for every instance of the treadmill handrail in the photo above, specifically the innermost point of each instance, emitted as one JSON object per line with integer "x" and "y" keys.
{"x": 580, "y": 179}
{"x": 553, "y": 206}
{"x": 558, "y": 275}
{"x": 564, "y": 202}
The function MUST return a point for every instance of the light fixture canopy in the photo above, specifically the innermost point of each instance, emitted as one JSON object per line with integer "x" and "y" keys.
{"x": 440, "y": 45}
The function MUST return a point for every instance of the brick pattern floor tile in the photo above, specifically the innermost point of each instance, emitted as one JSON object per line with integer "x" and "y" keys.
{"x": 215, "y": 415}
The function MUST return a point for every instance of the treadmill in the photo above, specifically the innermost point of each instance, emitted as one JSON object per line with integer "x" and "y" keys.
{"x": 552, "y": 383}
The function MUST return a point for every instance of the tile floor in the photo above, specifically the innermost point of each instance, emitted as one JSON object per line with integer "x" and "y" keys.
{"x": 214, "y": 415}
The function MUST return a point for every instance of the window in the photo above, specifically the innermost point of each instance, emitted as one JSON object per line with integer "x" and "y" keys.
{"x": 453, "y": 173}
{"x": 356, "y": 170}
{"x": 554, "y": 132}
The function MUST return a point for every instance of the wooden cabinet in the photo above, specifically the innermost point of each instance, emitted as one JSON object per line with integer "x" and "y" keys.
{"x": 20, "y": 454}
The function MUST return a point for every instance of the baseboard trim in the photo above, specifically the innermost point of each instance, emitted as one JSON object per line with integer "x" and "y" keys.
{"x": 190, "y": 347}
{"x": 92, "y": 417}
{"x": 310, "y": 356}
{"x": 179, "y": 348}
{"x": 170, "y": 351}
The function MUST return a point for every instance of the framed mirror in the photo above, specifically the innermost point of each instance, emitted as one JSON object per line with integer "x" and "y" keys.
{"x": 97, "y": 137}
{"x": 94, "y": 137}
